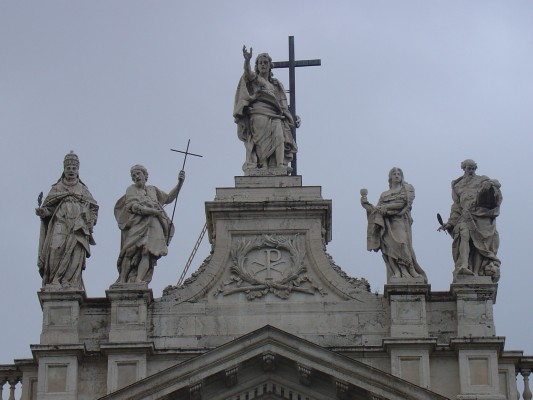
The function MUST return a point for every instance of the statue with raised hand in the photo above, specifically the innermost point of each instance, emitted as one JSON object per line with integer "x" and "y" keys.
{"x": 389, "y": 228}
{"x": 264, "y": 121}
{"x": 68, "y": 215}
{"x": 145, "y": 226}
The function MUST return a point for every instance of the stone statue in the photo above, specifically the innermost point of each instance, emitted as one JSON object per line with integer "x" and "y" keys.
{"x": 68, "y": 215}
{"x": 146, "y": 228}
{"x": 389, "y": 228}
{"x": 472, "y": 223}
{"x": 264, "y": 120}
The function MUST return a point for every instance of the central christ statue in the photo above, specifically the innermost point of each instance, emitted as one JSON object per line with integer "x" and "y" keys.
{"x": 264, "y": 120}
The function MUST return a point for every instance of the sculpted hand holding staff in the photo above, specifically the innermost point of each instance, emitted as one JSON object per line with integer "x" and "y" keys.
{"x": 68, "y": 215}
{"x": 146, "y": 227}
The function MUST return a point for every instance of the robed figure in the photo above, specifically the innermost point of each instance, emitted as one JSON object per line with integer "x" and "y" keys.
{"x": 145, "y": 227}
{"x": 264, "y": 121}
{"x": 472, "y": 223}
{"x": 389, "y": 228}
{"x": 68, "y": 215}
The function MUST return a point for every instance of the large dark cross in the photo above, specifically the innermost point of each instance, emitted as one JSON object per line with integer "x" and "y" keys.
{"x": 292, "y": 64}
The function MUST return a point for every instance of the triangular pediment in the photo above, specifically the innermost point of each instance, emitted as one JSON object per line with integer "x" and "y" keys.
{"x": 267, "y": 363}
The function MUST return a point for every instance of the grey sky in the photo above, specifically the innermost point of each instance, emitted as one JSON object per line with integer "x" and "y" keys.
{"x": 421, "y": 85}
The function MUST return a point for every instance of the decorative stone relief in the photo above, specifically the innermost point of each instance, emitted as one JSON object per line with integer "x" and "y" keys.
{"x": 342, "y": 390}
{"x": 304, "y": 375}
{"x": 268, "y": 264}
{"x": 232, "y": 376}
{"x": 269, "y": 362}
{"x": 360, "y": 283}
{"x": 195, "y": 391}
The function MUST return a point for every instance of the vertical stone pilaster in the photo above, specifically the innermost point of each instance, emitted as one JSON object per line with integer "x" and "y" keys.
{"x": 476, "y": 343}
{"x": 409, "y": 345}
{"x": 128, "y": 346}
{"x": 478, "y": 368}
{"x": 57, "y": 371}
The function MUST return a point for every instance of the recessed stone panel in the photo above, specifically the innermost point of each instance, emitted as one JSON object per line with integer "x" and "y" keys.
{"x": 60, "y": 316}
{"x": 128, "y": 314}
{"x": 410, "y": 369}
{"x": 126, "y": 374}
{"x": 56, "y": 376}
{"x": 479, "y": 371}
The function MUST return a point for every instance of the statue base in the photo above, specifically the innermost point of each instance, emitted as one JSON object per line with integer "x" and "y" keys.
{"x": 268, "y": 171}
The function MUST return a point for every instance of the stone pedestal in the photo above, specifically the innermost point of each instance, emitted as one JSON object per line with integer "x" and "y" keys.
{"x": 408, "y": 309}
{"x": 128, "y": 346}
{"x": 61, "y": 312}
{"x": 476, "y": 343}
{"x": 475, "y": 297}
{"x": 269, "y": 203}
{"x": 409, "y": 345}
{"x": 129, "y": 313}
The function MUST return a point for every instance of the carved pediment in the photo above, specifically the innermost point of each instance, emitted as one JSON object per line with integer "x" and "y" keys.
{"x": 326, "y": 374}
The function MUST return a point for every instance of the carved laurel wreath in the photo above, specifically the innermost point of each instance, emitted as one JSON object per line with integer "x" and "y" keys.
{"x": 291, "y": 279}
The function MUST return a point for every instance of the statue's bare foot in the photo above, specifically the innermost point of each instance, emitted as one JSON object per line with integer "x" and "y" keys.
{"x": 464, "y": 271}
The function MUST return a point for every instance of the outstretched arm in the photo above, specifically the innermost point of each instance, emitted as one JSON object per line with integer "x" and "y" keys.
{"x": 364, "y": 201}
{"x": 174, "y": 192}
{"x": 250, "y": 75}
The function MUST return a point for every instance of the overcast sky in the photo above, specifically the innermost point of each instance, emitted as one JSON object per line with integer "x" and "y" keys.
{"x": 420, "y": 85}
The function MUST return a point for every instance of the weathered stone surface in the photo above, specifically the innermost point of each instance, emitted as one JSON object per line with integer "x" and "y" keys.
{"x": 68, "y": 215}
{"x": 227, "y": 332}
{"x": 145, "y": 226}
{"x": 472, "y": 223}
{"x": 263, "y": 118}
{"x": 389, "y": 229}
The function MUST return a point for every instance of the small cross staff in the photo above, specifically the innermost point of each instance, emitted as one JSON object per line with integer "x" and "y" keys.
{"x": 186, "y": 152}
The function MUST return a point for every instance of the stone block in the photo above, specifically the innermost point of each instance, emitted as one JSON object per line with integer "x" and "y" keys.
{"x": 58, "y": 378}
{"x": 61, "y": 312}
{"x": 129, "y": 314}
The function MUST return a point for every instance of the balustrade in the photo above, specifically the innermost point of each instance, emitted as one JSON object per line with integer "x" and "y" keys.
{"x": 10, "y": 377}
{"x": 524, "y": 369}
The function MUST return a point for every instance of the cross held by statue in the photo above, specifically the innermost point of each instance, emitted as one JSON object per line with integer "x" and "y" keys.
{"x": 291, "y": 65}
{"x": 186, "y": 152}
